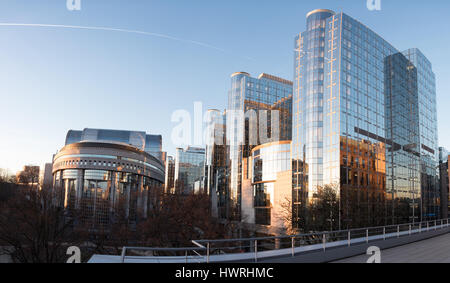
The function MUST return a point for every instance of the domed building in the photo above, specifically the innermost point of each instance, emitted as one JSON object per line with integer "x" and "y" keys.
{"x": 103, "y": 180}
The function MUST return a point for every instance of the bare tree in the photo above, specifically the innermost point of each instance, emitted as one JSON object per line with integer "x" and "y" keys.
{"x": 4, "y": 176}
{"x": 321, "y": 213}
{"x": 32, "y": 230}
{"x": 179, "y": 220}
{"x": 30, "y": 175}
{"x": 324, "y": 209}
{"x": 287, "y": 216}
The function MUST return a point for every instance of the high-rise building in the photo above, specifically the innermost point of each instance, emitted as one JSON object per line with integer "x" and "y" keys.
{"x": 444, "y": 159}
{"x": 259, "y": 112}
{"x": 364, "y": 123}
{"x": 216, "y": 164}
{"x": 152, "y": 144}
{"x": 169, "y": 183}
{"x": 428, "y": 136}
{"x": 189, "y": 169}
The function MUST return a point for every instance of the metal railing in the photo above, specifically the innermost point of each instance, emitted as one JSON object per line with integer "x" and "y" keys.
{"x": 187, "y": 253}
{"x": 289, "y": 245}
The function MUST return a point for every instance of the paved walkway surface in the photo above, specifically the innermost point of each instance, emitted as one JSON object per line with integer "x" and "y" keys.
{"x": 434, "y": 250}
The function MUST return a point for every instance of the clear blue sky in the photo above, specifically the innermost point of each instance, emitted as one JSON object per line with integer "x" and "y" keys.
{"x": 54, "y": 79}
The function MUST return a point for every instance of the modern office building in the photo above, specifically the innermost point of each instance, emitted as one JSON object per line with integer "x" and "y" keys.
{"x": 428, "y": 136}
{"x": 364, "y": 122}
{"x": 216, "y": 168}
{"x": 444, "y": 159}
{"x": 259, "y": 112}
{"x": 152, "y": 144}
{"x": 267, "y": 190}
{"x": 98, "y": 180}
{"x": 189, "y": 168}
{"x": 169, "y": 183}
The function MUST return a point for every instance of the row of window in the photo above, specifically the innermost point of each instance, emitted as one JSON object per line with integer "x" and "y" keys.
{"x": 101, "y": 163}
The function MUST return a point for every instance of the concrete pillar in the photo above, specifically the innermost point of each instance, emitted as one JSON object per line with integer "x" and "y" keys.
{"x": 141, "y": 201}
{"x": 213, "y": 196}
{"x": 79, "y": 188}
{"x": 113, "y": 192}
{"x": 127, "y": 202}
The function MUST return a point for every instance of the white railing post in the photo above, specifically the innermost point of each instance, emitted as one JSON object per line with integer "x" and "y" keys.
{"x": 435, "y": 225}
{"x": 207, "y": 253}
{"x": 324, "y": 241}
{"x": 122, "y": 256}
{"x": 293, "y": 246}
{"x": 398, "y": 231}
{"x": 349, "y": 238}
{"x": 367, "y": 235}
{"x": 410, "y": 229}
{"x": 428, "y": 226}
{"x": 384, "y": 233}
{"x": 256, "y": 250}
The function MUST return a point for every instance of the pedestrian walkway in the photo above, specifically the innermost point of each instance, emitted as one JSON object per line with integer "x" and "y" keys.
{"x": 434, "y": 250}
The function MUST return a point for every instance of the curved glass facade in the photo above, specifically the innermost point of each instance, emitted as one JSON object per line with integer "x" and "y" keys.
{"x": 309, "y": 102}
{"x": 364, "y": 124}
{"x": 268, "y": 161}
{"x": 99, "y": 190}
{"x": 308, "y": 110}
{"x": 428, "y": 138}
{"x": 152, "y": 144}
{"x": 248, "y": 98}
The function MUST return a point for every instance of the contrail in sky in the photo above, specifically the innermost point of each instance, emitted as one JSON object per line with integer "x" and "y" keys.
{"x": 117, "y": 30}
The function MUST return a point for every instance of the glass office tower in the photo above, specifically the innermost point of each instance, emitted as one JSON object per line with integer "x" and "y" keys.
{"x": 259, "y": 111}
{"x": 308, "y": 112}
{"x": 360, "y": 126}
{"x": 189, "y": 168}
{"x": 402, "y": 138}
{"x": 169, "y": 183}
{"x": 444, "y": 159}
{"x": 428, "y": 138}
{"x": 216, "y": 164}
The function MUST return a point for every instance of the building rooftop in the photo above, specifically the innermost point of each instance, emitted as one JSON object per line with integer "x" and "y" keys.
{"x": 240, "y": 73}
{"x": 319, "y": 11}
{"x": 275, "y": 78}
